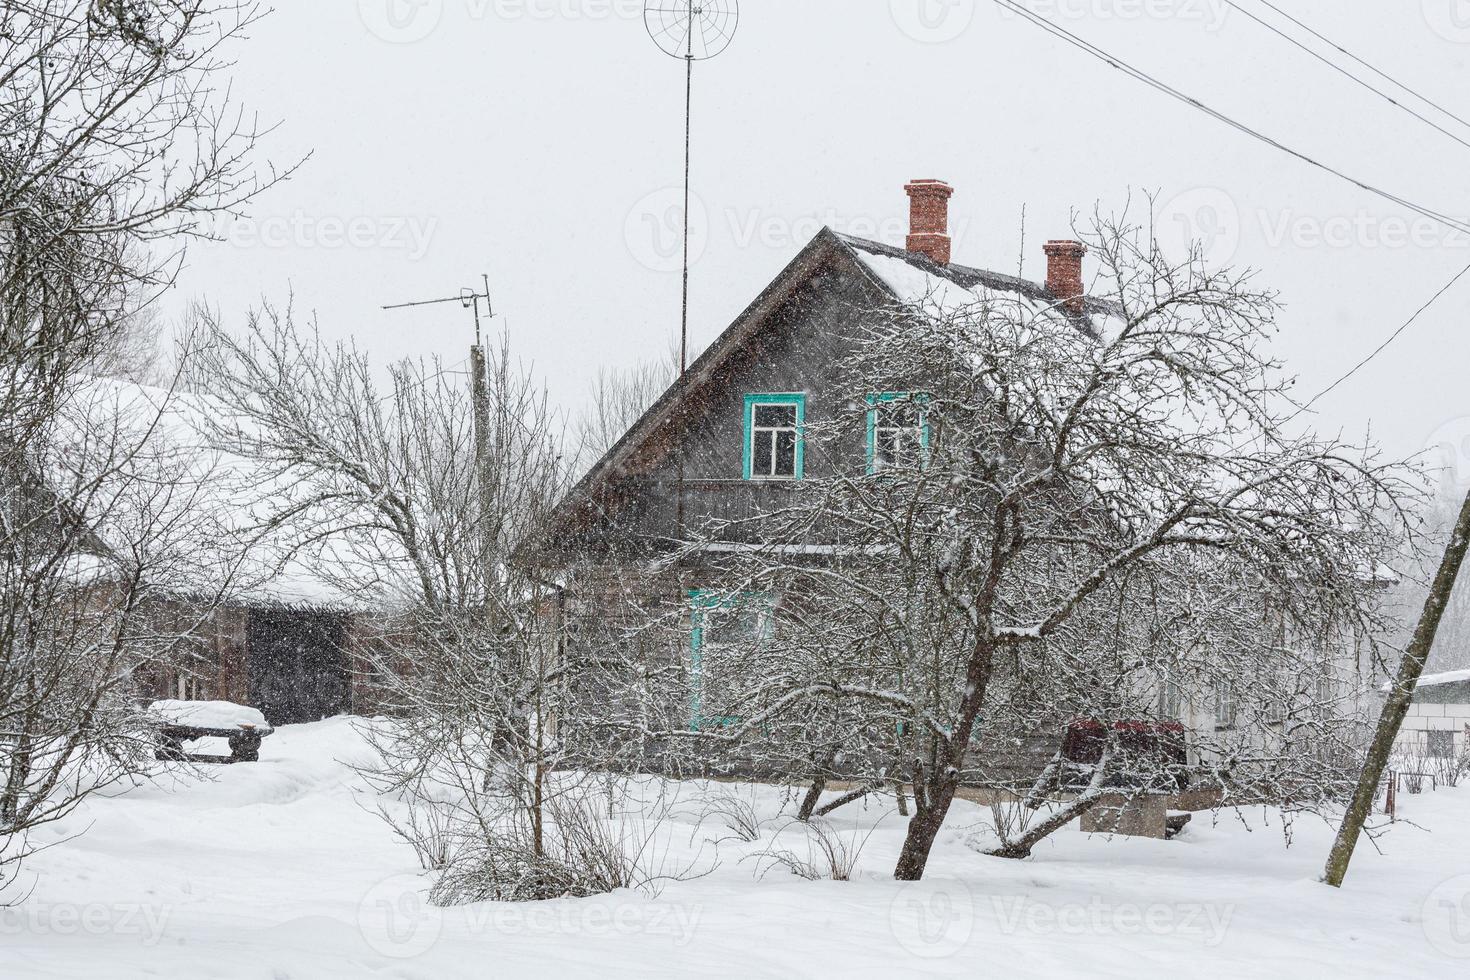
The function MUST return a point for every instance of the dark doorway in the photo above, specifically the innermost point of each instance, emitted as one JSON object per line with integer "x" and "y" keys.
{"x": 298, "y": 665}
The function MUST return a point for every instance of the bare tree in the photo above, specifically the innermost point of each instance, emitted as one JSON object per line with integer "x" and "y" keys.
{"x": 469, "y": 657}
{"x": 1070, "y": 514}
{"x": 115, "y": 148}
{"x": 618, "y": 399}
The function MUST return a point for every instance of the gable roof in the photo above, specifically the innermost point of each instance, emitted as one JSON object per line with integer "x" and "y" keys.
{"x": 158, "y": 492}
{"x": 895, "y": 275}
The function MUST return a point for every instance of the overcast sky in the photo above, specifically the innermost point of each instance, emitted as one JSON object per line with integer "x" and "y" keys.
{"x": 540, "y": 142}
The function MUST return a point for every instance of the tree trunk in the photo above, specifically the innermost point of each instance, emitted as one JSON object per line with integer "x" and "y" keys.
{"x": 1397, "y": 705}
{"x": 1086, "y": 800}
{"x": 934, "y": 792}
{"x": 819, "y": 784}
{"x": 851, "y": 796}
{"x": 924, "y": 827}
{"x": 809, "y": 802}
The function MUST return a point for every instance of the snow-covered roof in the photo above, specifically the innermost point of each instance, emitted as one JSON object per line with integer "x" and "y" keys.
{"x": 953, "y": 289}
{"x": 158, "y": 495}
{"x": 1446, "y": 677}
{"x": 911, "y": 279}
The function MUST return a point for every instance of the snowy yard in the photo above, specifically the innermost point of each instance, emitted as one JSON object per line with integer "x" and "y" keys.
{"x": 280, "y": 870}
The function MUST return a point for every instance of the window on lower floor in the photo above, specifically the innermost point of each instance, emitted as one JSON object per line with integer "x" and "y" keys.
{"x": 1441, "y": 744}
{"x": 1171, "y": 698}
{"x": 724, "y": 629}
{"x": 1225, "y": 706}
{"x": 773, "y": 436}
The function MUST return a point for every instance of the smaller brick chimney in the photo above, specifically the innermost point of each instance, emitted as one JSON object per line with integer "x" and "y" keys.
{"x": 1064, "y": 273}
{"x": 929, "y": 219}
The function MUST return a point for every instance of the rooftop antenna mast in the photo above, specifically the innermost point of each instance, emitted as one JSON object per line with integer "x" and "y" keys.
{"x": 694, "y": 30}
{"x": 480, "y": 393}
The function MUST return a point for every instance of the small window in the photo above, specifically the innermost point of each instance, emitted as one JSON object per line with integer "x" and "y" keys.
{"x": 773, "y": 437}
{"x": 1171, "y": 698}
{"x": 1224, "y": 704}
{"x": 1279, "y": 696}
{"x": 1441, "y": 744}
{"x": 898, "y": 432}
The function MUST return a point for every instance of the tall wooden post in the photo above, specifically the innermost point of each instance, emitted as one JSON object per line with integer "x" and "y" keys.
{"x": 1400, "y": 694}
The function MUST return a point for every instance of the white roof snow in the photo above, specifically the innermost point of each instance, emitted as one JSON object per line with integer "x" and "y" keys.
{"x": 157, "y": 494}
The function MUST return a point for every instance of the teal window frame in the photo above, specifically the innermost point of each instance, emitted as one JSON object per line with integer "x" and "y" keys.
{"x": 878, "y": 399}
{"x": 701, "y": 603}
{"x": 796, "y": 398}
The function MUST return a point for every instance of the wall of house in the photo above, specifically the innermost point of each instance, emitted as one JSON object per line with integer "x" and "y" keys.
{"x": 668, "y": 494}
{"x": 1424, "y": 718}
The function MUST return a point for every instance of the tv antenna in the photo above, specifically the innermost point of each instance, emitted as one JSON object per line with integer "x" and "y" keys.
{"x": 480, "y": 397}
{"x": 694, "y": 30}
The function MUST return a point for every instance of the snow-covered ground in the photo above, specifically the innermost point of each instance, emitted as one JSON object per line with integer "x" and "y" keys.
{"x": 280, "y": 870}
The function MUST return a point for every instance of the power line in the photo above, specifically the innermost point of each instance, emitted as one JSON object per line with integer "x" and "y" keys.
{"x": 1343, "y": 71}
{"x": 1383, "y": 346}
{"x": 1169, "y": 90}
{"x": 1377, "y": 71}
{"x": 1142, "y": 76}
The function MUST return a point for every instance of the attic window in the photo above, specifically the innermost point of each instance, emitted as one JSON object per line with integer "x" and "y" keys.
{"x": 773, "y": 436}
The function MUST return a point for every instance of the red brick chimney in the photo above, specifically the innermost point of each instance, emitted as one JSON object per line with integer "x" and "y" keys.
{"x": 929, "y": 219}
{"x": 1064, "y": 273}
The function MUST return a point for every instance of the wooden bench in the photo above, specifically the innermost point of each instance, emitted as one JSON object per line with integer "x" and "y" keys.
{"x": 244, "y": 743}
{"x": 177, "y": 722}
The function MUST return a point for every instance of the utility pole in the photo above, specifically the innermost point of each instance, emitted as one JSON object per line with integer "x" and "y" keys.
{"x": 1400, "y": 694}
{"x": 480, "y": 396}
